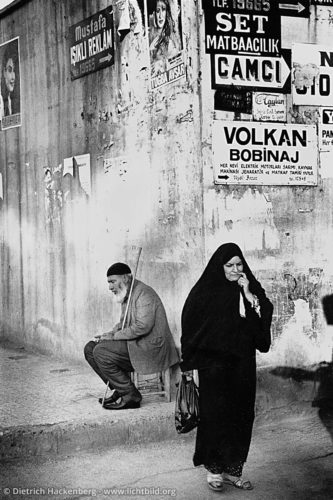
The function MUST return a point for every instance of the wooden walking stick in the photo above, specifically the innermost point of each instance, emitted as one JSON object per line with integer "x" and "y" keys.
{"x": 131, "y": 288}
{"x": 127, "y": 307}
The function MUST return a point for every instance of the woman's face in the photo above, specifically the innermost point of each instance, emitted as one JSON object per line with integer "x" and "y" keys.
{"x": 233, "y": 269}
{"x": 9, "y": 74}
{"x": 160, "y": 13}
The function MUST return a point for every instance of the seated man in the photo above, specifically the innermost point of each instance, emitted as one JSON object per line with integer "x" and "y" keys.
{"x": 145, "y": 344}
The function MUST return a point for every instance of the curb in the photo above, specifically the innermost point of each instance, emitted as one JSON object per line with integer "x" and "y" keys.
{"x": 151, "y": 423}
{"x": 71, "y": 437}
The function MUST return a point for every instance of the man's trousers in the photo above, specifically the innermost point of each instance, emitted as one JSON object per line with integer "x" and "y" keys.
{"x": 110, "y": 360}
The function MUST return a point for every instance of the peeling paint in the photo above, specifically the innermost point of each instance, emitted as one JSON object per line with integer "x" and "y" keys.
{"x": 305, "y": 115}
{"x": 294, "y": 347}
{"x": 233, "y": 221}
{"x": 305, "y": 75}
{"x": 53, "y": 194}
{"x": 103, "y": 115}
{"x": 87, "y": 115}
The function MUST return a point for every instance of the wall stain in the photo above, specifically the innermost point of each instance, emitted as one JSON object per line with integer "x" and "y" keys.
{"x": 185, "y": 117}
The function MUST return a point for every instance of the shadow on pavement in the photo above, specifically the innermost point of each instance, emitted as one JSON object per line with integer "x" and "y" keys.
{"x": 322, "y": 376}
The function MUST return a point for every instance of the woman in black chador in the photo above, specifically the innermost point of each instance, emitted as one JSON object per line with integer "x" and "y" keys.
{"x": 226, "y": 317}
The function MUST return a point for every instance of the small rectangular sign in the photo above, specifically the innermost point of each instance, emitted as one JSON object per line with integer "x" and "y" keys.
{"x": 92, "y": 44}
{"x": 234, "y": 99}
{"x": 269, "y": 107}
{"x": 325, "y": 129}
{"x": 264, "y": 153}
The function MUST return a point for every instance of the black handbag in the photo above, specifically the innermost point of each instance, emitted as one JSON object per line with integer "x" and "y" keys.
{"x": 187, "y": 405}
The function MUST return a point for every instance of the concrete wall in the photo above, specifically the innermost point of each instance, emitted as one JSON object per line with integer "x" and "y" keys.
{"x": 56, "y": 243}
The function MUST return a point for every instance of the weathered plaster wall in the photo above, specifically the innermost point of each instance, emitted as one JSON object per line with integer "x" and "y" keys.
{"x": 56, "y": 242}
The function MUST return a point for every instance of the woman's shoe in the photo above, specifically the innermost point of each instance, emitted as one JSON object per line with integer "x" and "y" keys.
{"x": 238, "y": 482}
{"x": 215, "y": 481}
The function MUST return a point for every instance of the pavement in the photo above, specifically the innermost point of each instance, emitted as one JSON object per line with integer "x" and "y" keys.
{"x": 289, "y": 459}
{"x": 50, "y": 407}
{"x": 56, "y": 441}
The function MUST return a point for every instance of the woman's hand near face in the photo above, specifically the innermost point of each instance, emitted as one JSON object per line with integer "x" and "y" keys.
{"x": 244, "y": 283}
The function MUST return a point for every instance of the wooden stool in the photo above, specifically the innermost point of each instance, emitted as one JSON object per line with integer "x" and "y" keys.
{"x": 153, "y": 383}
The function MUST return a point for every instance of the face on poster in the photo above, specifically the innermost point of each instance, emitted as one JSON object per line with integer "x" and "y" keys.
{"x": 10, "y": 86}
{"x": 165, "y": 41}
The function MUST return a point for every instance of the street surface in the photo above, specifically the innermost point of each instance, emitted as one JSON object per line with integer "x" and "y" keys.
{"x": 290, "y": 459}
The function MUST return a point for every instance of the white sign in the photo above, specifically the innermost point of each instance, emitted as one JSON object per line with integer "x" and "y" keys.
{"x": 269, "y": 107}
{"x": 312, "y": 75}
{"x": 326, "y": 129}
{"x": 249, "y": 71}
{"x": 266, "y": 154}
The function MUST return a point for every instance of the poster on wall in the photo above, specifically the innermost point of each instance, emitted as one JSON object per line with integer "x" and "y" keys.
{"x": 325, "y": 129}
{"x": 165, "y": 42}
{"x": 312, "y": 78}
{"x": 77, "y": 171}
{"x": 269, "y": 107}
{"x": 131, "y": 17}
{"x": 91, "y": 44}
{"x": 10, "y": 86}
{"x": 264, "y": 153}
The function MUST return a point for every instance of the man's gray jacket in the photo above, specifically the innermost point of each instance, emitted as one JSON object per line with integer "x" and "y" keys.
{"x": 150, "y": 343}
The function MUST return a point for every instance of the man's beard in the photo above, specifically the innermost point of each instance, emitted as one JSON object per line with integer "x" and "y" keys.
{"x": 121, "y": 294}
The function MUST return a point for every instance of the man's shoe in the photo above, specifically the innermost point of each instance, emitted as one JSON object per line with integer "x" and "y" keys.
{"x": 122, "y": 405}
{"x": 114, "y": 396}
